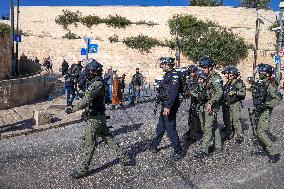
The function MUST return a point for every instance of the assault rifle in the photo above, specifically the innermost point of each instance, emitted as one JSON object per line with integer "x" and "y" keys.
{"x": 253, "y": 115}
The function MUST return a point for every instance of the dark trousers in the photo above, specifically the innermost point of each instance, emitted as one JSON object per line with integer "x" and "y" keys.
{"x": 167, "y": 124}
{"x": 70, "y": 95}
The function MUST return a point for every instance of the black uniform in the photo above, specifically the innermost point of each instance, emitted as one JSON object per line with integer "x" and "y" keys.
{"x": 169, "y": 98}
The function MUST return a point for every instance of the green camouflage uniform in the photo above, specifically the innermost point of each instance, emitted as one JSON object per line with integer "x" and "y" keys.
{"x": 209, "y": 120}
{"x": 232, "y": 107}
{"x": 273, "y": 98}
{"x": 96, "y": 124}
{"x": 197, "y": 100}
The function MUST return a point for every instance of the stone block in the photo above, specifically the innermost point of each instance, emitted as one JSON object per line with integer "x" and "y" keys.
{"x": 41, "y": 117}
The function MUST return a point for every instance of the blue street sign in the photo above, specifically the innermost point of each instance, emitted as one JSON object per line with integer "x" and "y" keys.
{"x": 17, "y": 38}
{"x": 93, "y": 48}
{"x": 83, "y": 51}
{"x": 277, "y": 59}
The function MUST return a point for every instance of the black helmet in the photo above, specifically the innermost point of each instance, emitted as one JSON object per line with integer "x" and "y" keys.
{"x": 265, "y": 68}
{"x": 231, "y": 69}
{"x": 192, "y": 68}
{"x": 206, "y": 62}
{"x": 167, "y": 60}
{"x": 201, "y": 74}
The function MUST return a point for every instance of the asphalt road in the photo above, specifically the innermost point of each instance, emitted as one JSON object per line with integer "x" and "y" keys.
{"x": 45, "y": 160}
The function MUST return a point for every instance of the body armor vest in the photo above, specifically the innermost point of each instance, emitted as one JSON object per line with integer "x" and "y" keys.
{"x": 98, "y": 103}
{"x": 228, "y": 87}
{"x": 259, "y": 94}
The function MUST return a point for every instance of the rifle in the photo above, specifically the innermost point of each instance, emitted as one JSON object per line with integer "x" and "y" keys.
{"x": 253, "y": 115}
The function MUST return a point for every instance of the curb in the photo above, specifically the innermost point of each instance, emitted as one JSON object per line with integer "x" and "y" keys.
{"x": 37, "y": 130}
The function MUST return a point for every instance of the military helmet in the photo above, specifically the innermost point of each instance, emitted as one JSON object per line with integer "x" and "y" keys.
{"x": 231, "y": 69}
{"x": 192, "y": 68}
{"x": 167, "y": 60}
{"x": 206, "y": 62}
{"x": 265, "y": 68}
{"x": 201, "y": 74}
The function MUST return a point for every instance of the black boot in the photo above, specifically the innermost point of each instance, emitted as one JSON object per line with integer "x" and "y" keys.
{"x": 176, "y": 157}
{"x": 274, "y": 158}
{"x": 239, "y": 140}
{"x": 200, "y": 154}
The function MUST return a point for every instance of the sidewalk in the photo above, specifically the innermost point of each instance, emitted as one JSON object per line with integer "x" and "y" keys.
{"x": 19, "y": 120}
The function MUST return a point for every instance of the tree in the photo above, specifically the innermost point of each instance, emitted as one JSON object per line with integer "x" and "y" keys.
{"x": 263, "y": 4}
{"x": 206, "y": 2}
{"x": 198, "y": 39}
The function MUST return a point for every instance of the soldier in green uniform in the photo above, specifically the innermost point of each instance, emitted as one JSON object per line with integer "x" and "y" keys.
{"x": 94, "y": 103}
{"x": 234, "y": 91}
{"x": 196, "y": 93}
{"x": 211, "y": 107}
{"x": 265, "y": 97}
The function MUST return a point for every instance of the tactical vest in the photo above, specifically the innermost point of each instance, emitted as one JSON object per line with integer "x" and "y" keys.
{"x": 164, "y": 89}
{"x": 98, "y": 103}
{"x": 137, "y": 79}
{"x": 228, "y": 87}
{"x": 259, "y": 94}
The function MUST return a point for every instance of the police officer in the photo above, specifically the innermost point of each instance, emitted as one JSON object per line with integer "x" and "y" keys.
{"x": 233, "y": 92}
{"x": 211, "y": 107}
{"x": 94, "y": 103}
{"x": 265, "y": 97}
{"x": 169, "y": 98}
{"x": 136, "y": 84}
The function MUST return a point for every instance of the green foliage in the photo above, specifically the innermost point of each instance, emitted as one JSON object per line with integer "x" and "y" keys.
{"x": 117, "y": 21}
{"x": 206, "y": 2}
{"x": 4, "y": 29}
{"x": 143, "y": 22}
{"x": 142, "y": 43}
{"x": 70, "y": 35}
{"x": 113, "y": 39}
{"x": 198, "y": 39}
{"x": 263, "y": 4}
{"x": 188, "y": 25}
{"x": 68, "y": 18}
{"x": 90, "y": 20}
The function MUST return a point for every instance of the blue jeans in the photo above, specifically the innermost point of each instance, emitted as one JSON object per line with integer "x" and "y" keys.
{"x": 70, "y": 95}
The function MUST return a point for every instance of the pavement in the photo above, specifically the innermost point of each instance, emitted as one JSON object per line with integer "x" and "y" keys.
{"x": 45, "y": 159}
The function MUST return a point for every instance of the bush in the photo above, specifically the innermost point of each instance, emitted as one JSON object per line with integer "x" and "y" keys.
{"x": 68, "y": 18}
{"x": 4, "y": 29}
{"x": 148, "y": 23}
{"x": 198, "y": 39}
{"x": 113, "y": 39}
{"x": 206, "y": 2}
{"x": 187, "y": 25}
{"x": 263, "y": 4}
{"x": 142, "y": 43}
{"x": 117, "y": 21}
{"x": 70, "y": 35}
{"x": 90, "y": 20}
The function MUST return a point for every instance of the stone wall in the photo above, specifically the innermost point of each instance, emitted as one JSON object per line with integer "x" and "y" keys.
{"x": 17, "y": 92}
{"x": 5, "y": 57}
{"x": 45, "y": 36}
